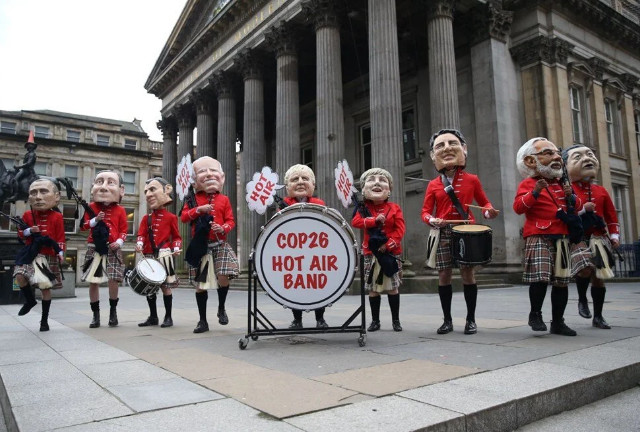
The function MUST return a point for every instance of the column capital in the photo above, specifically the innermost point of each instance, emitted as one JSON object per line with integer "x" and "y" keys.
{"x": 223, "y": 83}
{"x": 489, "y": 21}
{"x": 323, "y": 13}
{"x": 185, "y": 114}
{"x": 598, "y": 66}
{"x": 203, "y": 100}
{"x": 282, "y": 38}
{"x": 629, "y": 81}
{"x": 250, "y": 63}
{"x": 439, "y": 8}
{"x": 551, "y": 50}
{"x": 168, "y": 127}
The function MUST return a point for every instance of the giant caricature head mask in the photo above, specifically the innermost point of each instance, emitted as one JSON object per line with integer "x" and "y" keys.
{"x": 300, "y": 181}
{"x": 376, "y": 184}
{"x": 157, "y": 191}
{"x": 582, "y": 163}
{"x": 448, "y": 149}
{"x": 208, "y": 173}
{"x": 107, "y": 187}
{"x": 539, "y": 157}
{"x": 43, "y": 194}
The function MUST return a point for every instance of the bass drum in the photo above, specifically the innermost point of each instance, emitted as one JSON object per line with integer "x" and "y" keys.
{"x": 147, "y": 277}
{"x": 471, "y": 244}
{"x": 305, "y": 256}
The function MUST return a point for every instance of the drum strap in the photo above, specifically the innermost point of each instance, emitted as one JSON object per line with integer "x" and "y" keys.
{"x": 452, "y": 196}
{"x": 154, "y": 248}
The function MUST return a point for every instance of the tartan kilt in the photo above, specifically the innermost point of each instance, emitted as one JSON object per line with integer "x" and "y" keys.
{"x": 396, "y": 280}
{"x": 115, "y": 263}
{"x": 27, "y": 270}
{"x": 165, "y": 285}
{"x": 540, "y": 258}
{"x": 444, "y": 256}
{"x": 226, "y": 263}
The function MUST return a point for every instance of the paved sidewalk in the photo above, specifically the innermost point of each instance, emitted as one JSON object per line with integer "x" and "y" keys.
{"x": 73, "y": 378}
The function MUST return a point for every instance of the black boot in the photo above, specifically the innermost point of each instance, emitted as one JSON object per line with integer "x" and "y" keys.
{"x": 44, "y": 324}
{"x": 113, "y": 315}
{"x": 583, "y": 304}
{"x": 296, "y": 324}
{"x": 152, "y": 319}
{"x": 223, "y": 319}
{"x": 201, "y": 300}
{"x": 470, "y": 298}
{"x": 95, "y": 308}
{"x": 29, "y": 300}
{"x": 445, "y": 292}
{"x": 394, "y": 305}
{"x": 320, "y": 322}
{"x": 168, "y": 303}
{"x": 374, "y": 304}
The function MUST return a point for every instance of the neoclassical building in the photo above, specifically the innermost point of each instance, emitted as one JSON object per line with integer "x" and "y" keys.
{"x": 77, "y": 146}
{"x": 319, "y": 81}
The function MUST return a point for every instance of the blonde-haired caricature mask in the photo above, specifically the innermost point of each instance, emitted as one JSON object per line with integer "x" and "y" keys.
{"x": 106, "y": 188}
{"x": 209, "y": 175}
{"x": 582, "y": 164}
{"x": 376, "y": 187}
{"x": 448, "y": 152}
{"x": 157, "y": 194}
{"x": 43, "y": 195}
{"x": 301, "y": 182}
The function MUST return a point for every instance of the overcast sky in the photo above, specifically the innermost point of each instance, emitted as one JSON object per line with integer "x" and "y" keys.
{"x": 85, "y": 57}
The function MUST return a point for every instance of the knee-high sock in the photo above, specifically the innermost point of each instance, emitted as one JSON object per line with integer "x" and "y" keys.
{"x": 394, "y": 305}
{"x": 537, "y": 292}
{"x": 582, "y": 284}
{"x": 201, "y": 299}
{"x": 319, "y": 314}
{"x": 470, "y": 298}
{"x": 598, "y": 294}
{"x": 374, "y": 303}
{"x": 446, "y": 293}
{"x": 222, "y": 296}
{"x": 46, "y": 304}
{"x": 153, "y": 309}
{"x": 297, "y": 314}
{"x": 559, "y": 298}
{"x": 168, "y": 303}
{"x": 95, "y": 306}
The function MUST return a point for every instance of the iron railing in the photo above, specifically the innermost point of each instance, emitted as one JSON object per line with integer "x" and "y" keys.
{"x": 628, "y": 260}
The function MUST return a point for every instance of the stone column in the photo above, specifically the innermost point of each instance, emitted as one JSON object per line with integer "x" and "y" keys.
{"x": 206, "y": 123}
{"x": 226, "y": 151}
{"x": 384, "y": 83}
{"x": 497, "y": 124}
{"x": 253, "y": 156}
{"x": 282, "y": 39}
{"x": 631, "y": 150}
{"x": 185, "y": 147}
{"x": 330, "y": 142}
{"x": 443, "y": 85}
{"x": 169, "y": 130}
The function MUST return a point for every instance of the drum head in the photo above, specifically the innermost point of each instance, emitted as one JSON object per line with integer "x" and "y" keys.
{"x": 471, "y": 228}
{"x": 151, "y": 271}
{"x": 305, "y": 257}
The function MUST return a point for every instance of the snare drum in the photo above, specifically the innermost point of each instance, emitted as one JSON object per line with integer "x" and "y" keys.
{"x": 305, "y": 256}
{"x": 147, "y": 277}
{"x": 471, "y": 244}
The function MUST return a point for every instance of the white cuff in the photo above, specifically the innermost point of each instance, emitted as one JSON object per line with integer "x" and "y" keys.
{"x": 486, "y": 214}
{"x": 140, "y": 244}
{"x": 120, "y": 242}
{"x": 615, "y": 237}
{"x": 581, "y": 212}
{"x": 93, "y": 222}
{"x": 26, "y": 232}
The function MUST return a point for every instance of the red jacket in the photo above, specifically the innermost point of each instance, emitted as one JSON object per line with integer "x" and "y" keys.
{"x": 165, "y": 231}
{"x": 222, "y": 213}
{"x": 114, "y": 216}
{"x": 466, "y": 186}
{"x": 310, "y": 200}
{"x": 540, "y": 213}
{"x": 50, "y": 223}
{"x": 393, "y": 227}
{"x": 604, "y": 207}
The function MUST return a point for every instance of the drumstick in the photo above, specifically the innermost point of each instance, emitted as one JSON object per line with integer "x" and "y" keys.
{"x": 481, "y": 208}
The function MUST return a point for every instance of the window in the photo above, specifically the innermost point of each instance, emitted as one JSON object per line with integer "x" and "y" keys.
{"x": 129, "y": 178}
{"x": 575, "y": 95}
{"x": 611, "y": 121}
{"x": 8, "y": 163}
{"x": 307, "y": 156}
{"x": 102, "y": 140}
{"x": 71, "y": 172}
{"x": 636, "y": 123}
{"x": 73, "y": 136}
{"x": 5, "y": 224}
{"x": 620, "y": 201}
{"x": 68, "y": 216}
{"x": 365, "y": 146}
{"x": 8, "y": 127}
{"x": 409, "y": 135}
{"x": 40, "y": 168}
{"x": 42, "y": 132}
{"x": 130, "y": 220}
{"x": 130, "y": 144}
